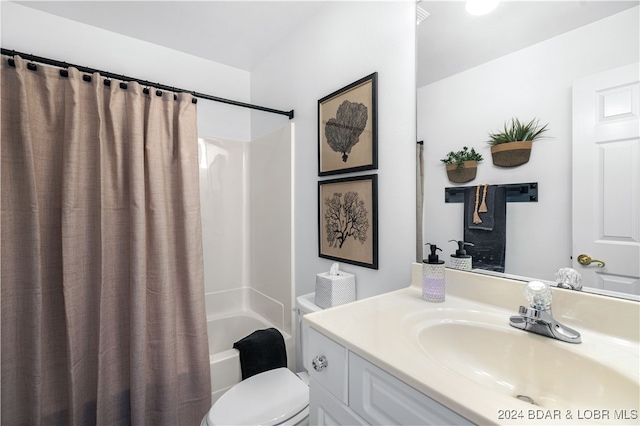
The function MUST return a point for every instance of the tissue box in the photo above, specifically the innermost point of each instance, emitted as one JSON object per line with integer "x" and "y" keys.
{"x": 334, "y": 290}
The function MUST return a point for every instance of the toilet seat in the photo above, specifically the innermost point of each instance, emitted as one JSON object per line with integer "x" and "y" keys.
{"x": 268, "y": 398}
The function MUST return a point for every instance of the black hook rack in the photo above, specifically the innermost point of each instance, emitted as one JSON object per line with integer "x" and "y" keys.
{"x": 516, "y": 192}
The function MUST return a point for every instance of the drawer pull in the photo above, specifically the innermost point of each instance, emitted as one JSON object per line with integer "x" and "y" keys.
{"x": 319, "y": 363}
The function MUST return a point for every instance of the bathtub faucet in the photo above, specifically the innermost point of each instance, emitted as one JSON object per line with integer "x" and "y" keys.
{"x": 537, "y": 318}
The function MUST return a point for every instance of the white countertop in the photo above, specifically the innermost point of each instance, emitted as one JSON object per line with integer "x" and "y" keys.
{"x": 380, "y": 329}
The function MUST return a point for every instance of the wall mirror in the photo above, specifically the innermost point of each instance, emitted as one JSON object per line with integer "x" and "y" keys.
{"x": 523, "y": 60}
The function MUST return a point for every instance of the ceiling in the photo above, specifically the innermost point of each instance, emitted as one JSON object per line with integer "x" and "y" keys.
{"x": 241, "y": 33}
{"x": 450, "y": 40}
{"x": 235, "y": 33}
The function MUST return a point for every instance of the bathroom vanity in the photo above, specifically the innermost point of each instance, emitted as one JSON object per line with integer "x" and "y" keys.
{"x": 352, "y": 391}
{"x": 397, "y": 359}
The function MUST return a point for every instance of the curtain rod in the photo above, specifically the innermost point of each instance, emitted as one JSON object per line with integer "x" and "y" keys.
{"x": 107, "y": 74}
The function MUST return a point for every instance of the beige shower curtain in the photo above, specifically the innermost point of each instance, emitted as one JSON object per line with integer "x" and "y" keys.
{"x": 103, "y": 318}
{"x": 419, "y": 200}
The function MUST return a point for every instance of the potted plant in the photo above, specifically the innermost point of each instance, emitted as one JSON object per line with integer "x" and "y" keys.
{"x": 462, "y": 165}
{"x": 511, "y": 146}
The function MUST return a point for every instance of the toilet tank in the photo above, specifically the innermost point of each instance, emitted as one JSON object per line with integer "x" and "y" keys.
{"x": 304, "y": 305}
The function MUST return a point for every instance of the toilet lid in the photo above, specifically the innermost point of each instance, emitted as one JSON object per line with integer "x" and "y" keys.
{"x": 267, "y": 398}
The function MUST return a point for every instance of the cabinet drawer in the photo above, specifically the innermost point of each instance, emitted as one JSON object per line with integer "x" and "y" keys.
{"x": 333, "y": 376}
{"x": 381, "y": 399}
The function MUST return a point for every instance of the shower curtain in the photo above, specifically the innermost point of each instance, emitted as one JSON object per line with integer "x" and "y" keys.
{"x": 419, "y": 201}
{"x": 103, "y": 318}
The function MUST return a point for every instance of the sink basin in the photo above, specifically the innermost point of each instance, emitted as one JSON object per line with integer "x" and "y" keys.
{"x": 532, "y": 368}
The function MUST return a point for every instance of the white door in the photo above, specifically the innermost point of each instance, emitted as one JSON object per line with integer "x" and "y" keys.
{"x": 606, "y": 178}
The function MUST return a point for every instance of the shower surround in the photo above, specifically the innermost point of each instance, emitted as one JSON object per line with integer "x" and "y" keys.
{"x": 246, "y": 192}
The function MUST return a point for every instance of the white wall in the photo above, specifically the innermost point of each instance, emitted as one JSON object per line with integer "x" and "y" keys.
{"x": 342, "y": 43}
{"x": 39, "y": 33}
{"x": 533, "y": 82}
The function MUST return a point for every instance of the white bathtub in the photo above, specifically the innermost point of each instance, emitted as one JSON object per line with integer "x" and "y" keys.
{"x": 223, "y": 332}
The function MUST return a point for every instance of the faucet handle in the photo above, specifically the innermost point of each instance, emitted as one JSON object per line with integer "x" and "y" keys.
{"x": 530, "y": 315}
{"x": 539, "y": 295}
{"x": 569, "y": 278}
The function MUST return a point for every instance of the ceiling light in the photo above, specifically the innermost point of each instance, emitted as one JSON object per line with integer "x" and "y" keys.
{"x": 481, "y": 7}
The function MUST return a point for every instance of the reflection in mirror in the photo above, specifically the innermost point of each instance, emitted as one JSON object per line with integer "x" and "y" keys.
{"x": 522, "y": 60}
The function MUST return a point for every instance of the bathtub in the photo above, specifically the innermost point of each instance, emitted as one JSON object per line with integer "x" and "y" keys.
{"x": 223, "y": 332}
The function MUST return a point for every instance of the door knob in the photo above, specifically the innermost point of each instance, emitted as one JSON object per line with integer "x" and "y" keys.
{"x": 586, "y": 260}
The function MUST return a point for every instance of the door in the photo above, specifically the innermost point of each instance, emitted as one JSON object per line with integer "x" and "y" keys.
{"x": 606, "y": 178}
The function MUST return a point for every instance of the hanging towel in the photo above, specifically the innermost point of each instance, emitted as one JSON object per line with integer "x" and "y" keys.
{"x": 261, "y": 351}
{"x": 489, "y": 236}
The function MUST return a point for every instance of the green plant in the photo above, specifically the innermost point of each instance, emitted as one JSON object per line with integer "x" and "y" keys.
{"x": 516, "y": 131}
{"x": 461, "y": 156}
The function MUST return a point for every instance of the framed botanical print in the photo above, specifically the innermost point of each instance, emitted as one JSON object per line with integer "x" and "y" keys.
{"x": 348, "y": 128}
{"x": 348, "y": 220}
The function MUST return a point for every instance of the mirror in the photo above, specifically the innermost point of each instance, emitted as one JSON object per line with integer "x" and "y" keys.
{"x": 476, "y": 73}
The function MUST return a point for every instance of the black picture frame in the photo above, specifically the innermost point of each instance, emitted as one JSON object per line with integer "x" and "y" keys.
{"x": 348, "y": 128}
{"x": 348, "y": 220}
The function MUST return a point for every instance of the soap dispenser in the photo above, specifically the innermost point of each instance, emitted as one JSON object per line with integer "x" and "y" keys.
{"x": 461, "y": 260}
{"x": 433, "y": 276}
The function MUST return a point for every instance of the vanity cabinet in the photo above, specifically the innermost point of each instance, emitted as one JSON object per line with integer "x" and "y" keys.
{"x": 326, "y": 410}
{"x": 346, "y": 389}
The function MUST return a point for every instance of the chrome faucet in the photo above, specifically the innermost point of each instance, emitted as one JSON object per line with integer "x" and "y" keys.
{"x": 537, "y": 318}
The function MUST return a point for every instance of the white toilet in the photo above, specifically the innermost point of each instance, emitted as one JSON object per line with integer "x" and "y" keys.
{"x": 274, "y": 397}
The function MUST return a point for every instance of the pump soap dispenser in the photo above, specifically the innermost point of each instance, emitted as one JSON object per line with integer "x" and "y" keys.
{"x": 461, "y": 260}
{"x": 433, "y": 276}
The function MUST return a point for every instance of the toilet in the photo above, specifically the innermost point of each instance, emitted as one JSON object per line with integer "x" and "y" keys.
{"x": 274, "y": 397}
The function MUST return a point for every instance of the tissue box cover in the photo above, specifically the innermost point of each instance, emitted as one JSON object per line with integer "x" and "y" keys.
{"x": 334, "y": 290}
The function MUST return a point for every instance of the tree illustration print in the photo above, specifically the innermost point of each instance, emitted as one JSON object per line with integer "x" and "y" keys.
{"x": 345, "y": 218}
{"x": 343, "y": 131}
